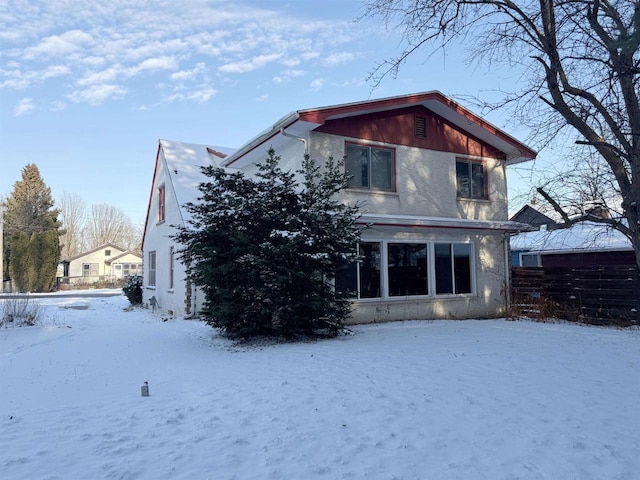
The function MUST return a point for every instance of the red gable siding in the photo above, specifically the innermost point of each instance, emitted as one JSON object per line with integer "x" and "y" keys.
{"x": 398, "y": 127}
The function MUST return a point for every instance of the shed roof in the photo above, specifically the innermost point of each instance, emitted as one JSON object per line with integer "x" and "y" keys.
{"x": 580, "y": 238}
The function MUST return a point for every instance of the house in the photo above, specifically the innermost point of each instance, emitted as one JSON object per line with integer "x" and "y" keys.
{"x": 430, "y": 176}
{"x": 176, "y": 177}
{"x": 106, "y": 262}
{"x": 583, "y": 244}
{"x": 533, "y": 217}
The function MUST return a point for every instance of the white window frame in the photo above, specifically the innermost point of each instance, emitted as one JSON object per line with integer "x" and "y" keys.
{"x": 431, "y": 272}
{"x": 528, "y": 254}
{"x": 151, "y": 272}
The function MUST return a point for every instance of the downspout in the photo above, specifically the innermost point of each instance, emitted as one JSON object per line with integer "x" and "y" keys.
{"x": 303, "y": 140}
{"x": 507, "y": 272}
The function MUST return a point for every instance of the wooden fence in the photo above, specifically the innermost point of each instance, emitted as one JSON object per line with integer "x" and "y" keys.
{"x": 605, "y": 295}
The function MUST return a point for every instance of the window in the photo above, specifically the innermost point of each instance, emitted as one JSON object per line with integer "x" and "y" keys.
{"x": 370, "y": 167}
{"x": 152, "y": 269}
{"x": 107, "y": 253}
{"x": 471, "y": 179}
{"x": 452, "y": 268}
{"x": 161, "y": 203}
{"x": 362, "y": 278}
{"x": 530, "y": 260}
{"x": 89, "y": 269}
{"x": 171, "y": 257}
{"x": 131, "y": 269}
{"x": 407, "y": 268}
{"x": 369, "y": 270}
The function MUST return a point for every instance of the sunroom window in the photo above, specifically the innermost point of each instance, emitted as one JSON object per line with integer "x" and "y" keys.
{"x": 361, "y": 279}
{"x": 408, "y": 269}
{"x": 453, "y": 268}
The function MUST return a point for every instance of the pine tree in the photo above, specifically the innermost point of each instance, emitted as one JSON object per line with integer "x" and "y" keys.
{"x": 20, "y": 260}
{"x": 265, "y": 249}
{"x": 31, "y": 240}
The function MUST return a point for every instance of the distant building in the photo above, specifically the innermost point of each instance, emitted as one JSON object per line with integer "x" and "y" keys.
{"x": 106, "y": 262}
{"x": 533, "y": 217}
{"x": 583, "y": 244}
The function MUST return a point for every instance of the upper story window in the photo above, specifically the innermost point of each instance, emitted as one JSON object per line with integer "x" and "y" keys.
{"x": 107, "y": 253}
{"x": 471, "y": 179}
{"x": 370, "y": 168}
{"x": 161, "y": 203}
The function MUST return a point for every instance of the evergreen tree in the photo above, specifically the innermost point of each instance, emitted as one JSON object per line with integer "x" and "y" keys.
{"x": 31, "y": 240}
{"x": 265, "y": 249}
{"x": 19, "y": 260}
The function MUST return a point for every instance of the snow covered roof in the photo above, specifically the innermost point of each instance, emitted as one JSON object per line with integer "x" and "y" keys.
{"x": 183, "y": 162}
{"x": 581, "y": 237}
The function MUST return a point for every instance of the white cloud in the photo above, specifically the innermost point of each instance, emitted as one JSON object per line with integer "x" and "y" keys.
{"x": 287, "y": 76}
{"x": 254, "y": 63}
{"x": 106, "y": 47}
{"x": 156, "y": 63}
{"x": 101, "y": 77}
{"x": 55, "y": 71}
{"x": 57, "y": 106}
{"x": 201, "y": 94}
{"x": 97, "y": 94}
{"x": 184, "y": 75}
{"x": 24, "y": 107}
{"x": 59, "y": 45}
{"x": 262, "y": 98}
{"x": 338, "y": 59}
{"x": 318, "y": 83}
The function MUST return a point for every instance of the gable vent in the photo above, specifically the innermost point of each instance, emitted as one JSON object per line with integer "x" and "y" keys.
{"x": 421, "y": 127}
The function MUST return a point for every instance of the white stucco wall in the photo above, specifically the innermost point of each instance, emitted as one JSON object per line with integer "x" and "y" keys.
{"x": 425, "y": 183}
{"x": 158, "y": 238}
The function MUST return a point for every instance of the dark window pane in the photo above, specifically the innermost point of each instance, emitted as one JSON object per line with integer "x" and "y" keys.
{"x": 346, "y": 281}
{"x": 358, "y": 166}
{"x": 381, "y": 169}
{"x": 369, "y": 270}
{"x": 477, "y": 180}
{"x": 407, "y": 269}
{"x": 462, "y": 179}
{"x": 530, "y": 260}
{"x": 462, "y": 267}
{"x": 444, "y": 276}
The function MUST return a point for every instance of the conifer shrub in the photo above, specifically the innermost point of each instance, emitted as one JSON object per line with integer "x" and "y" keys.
{"x": 265, "y": 249}
{"x": 133, "y": 289}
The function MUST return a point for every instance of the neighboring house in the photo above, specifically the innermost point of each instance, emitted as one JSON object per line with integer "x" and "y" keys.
{"x": 105, "y": 262}
{"x": 430, "y": 176}
{"x": 583, "y": 244}
{"x": 533, "y": 217}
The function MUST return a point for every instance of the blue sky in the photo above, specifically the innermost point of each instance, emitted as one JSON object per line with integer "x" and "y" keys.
{"x": 88, "y": 88}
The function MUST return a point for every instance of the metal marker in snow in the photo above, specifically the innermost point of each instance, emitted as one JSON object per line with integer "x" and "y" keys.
{"x": 145, "y": 389}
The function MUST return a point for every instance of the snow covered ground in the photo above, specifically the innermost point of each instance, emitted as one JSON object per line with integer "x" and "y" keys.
{"x": 491, "y": 399}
